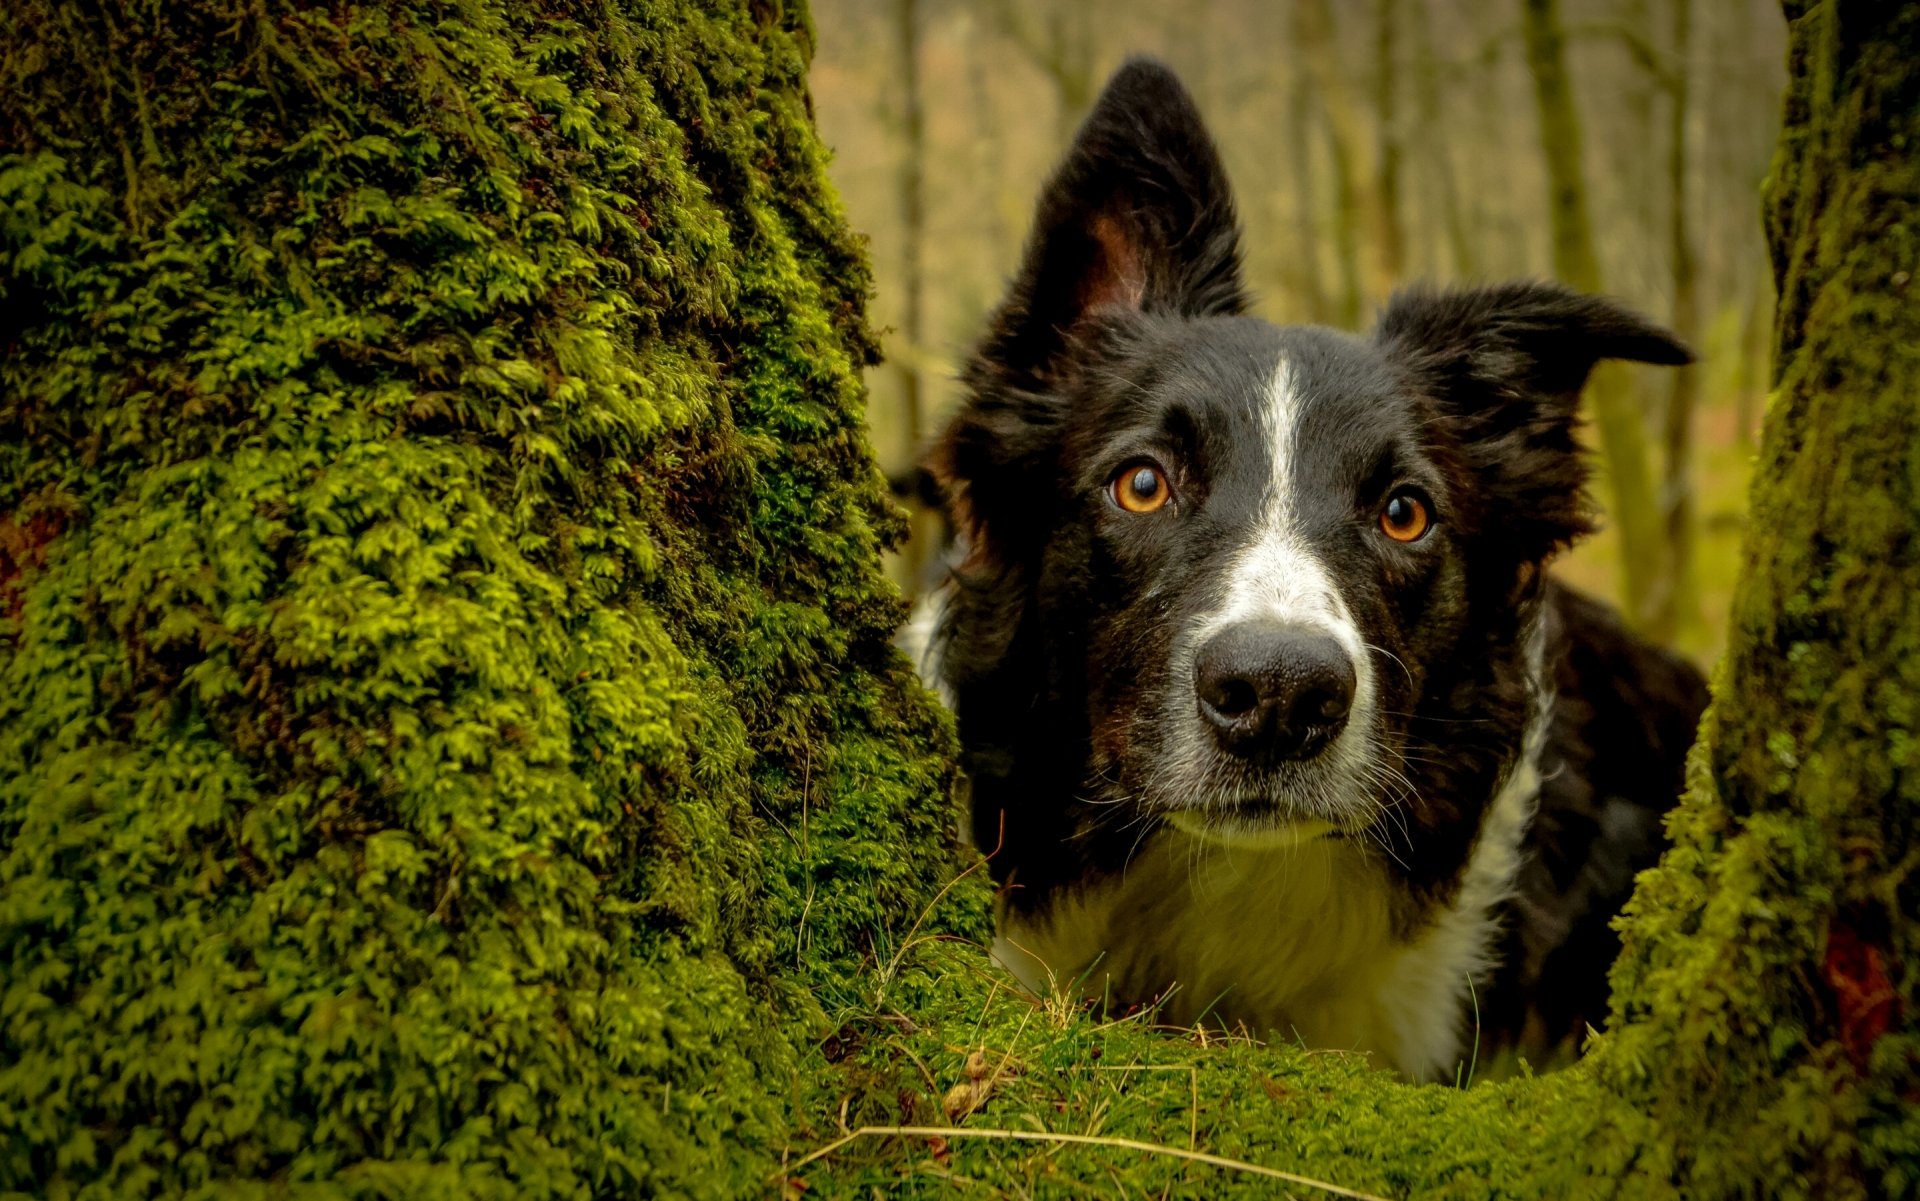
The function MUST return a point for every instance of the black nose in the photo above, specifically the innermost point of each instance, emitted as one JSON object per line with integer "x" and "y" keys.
{"x": 1273, "y": 691}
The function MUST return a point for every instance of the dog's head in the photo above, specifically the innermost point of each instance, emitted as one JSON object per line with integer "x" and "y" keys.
{"x": 1234, "y": 575}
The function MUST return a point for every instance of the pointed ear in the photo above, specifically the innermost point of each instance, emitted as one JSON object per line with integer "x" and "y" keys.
{"x": 1139, "y": 216}
{"x": 1504, "y": 366}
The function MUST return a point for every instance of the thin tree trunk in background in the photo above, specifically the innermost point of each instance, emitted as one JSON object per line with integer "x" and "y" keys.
{"x": 1062, "y": 47}
{"x": 1319, "y": 50}
{"x": 913, "y": 216}
{"x": 1393, "y": 250}
{"x": 1070, "y": 62}
{"x": 1346, "y": 228}
{"x": 1426, "y": 82}
{"x": 1561, "y": 144}
{"x": 1623, "y": 439}
{"x": 1755, "y": 336}
{"x": 1320, "y": 45}
{"x": 1639, "y": 96}
{"x": 910, "y": 347}
{"x": 1675, "y": 603}
{"x": 1301, "y": 119}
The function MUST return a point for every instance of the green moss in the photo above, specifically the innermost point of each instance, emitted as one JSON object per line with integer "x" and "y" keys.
{"x": 447, "y": 681}
{"x": 1768, "y": 987}
{"x": 947, "y": 1019}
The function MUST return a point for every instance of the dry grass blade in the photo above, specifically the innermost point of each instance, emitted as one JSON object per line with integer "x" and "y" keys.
{"x": 1091, "y": 1140}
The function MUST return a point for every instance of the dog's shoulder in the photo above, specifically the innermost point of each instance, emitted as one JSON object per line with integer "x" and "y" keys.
{"x": 1624, "y": 716}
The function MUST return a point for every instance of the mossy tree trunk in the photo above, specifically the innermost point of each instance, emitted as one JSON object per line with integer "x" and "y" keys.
{"x": 1767, "y": 993}
{"x": 449, "y": 719}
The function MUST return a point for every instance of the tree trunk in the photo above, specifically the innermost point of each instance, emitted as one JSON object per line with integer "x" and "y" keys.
{"x": 1756, "y": 331}
{"x": 1319, "y": 49}
{"x": 1675, "y": 604}
{"x": 1436, "y": 137}
{"x": 908, "y": 358}
{"x": 1301, "y": 124}
{"x": 1767, "y": 991}
{"x": 1623, "y": 440}
{"x": 446, "y": 684}
{"x": 1057, "y": 37}
{"x": 913, "y": 211}
{"x": 1393, "y": 248}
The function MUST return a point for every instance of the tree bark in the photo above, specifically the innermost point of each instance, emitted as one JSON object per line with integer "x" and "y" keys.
{"x": 448, "y": 716}
{"x": 1623, "y": 439}
{"x": 1766, "y": 996}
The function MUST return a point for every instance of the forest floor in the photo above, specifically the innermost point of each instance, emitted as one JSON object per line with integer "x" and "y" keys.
{"x": 991, "y": 1091}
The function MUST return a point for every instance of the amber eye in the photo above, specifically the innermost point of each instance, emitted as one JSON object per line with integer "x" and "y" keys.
{"x": 1405, "y": 519}
{"x": 1140, "y": 488}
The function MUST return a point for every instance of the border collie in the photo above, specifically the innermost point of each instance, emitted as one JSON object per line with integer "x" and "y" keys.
{"x": 1269, "y": 712}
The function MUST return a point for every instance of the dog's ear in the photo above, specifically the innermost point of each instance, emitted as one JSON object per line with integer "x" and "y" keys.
{"x": 1138, "y": 216}
{"x": 1137, "y": 219}
{"x": 1505, "y": 366}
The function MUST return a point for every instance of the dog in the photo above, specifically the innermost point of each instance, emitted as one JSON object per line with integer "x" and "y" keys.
{"x": 1269, "y": 711}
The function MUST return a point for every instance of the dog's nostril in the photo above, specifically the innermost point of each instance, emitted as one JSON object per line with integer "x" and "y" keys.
{"x": 1232, "y": 697}
{"x": 1324, "y": 706}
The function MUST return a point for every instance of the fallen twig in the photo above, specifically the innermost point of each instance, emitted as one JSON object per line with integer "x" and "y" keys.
{"x": 1043, "y": 1136}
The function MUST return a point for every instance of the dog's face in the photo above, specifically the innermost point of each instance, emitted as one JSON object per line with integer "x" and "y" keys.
{"x": 1235, "y": 575}
{"x": 1261, "y": 543}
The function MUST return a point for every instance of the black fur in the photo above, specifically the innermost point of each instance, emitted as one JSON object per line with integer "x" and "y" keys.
{"x": 1123, "y": 339}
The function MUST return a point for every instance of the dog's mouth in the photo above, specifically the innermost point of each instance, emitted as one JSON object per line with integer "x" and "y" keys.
{"x": 1222, "y": 799}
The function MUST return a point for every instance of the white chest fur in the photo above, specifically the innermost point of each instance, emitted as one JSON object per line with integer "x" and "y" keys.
{"x": 1292, "y": 941}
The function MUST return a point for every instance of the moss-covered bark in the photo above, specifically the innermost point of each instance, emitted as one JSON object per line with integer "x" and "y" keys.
{"x": 1768, "y": 986}
{"x": 447, "y": 708}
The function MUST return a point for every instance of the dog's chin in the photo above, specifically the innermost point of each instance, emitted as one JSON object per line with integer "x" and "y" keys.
{"x": 1257, "y": 826}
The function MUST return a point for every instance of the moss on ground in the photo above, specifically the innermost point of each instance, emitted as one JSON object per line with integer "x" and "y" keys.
{"x": 453, "y": 744}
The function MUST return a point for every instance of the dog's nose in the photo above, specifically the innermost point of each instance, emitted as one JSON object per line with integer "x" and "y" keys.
{"x": 1273, "y": 691}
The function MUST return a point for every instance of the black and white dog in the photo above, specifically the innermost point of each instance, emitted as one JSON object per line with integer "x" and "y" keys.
{"x": 1268, "y": 707}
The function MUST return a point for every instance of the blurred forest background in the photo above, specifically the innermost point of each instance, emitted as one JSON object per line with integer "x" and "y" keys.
{"x": 1617, "y": 145}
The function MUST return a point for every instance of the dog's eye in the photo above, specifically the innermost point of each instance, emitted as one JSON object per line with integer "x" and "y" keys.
{"x": 1140, "y": 488}
{"x": 1405, "y": 518}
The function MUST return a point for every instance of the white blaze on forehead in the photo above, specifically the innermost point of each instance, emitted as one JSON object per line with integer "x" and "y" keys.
{"x": 1277, "y": 576}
